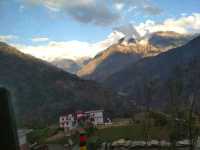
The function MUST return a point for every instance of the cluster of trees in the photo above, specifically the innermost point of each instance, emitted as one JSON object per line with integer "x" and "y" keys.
{"x": 180, "y": 118}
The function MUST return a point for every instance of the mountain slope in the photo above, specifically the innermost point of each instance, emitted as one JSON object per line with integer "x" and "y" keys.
{"x": 168, "y": 39}
{"x": 42, "y": 91}
{"x": 177, "y": 64}
{"x": 69, "y": 65}
{"x": 127, "y": 51}
{"x": 109, "y": 61}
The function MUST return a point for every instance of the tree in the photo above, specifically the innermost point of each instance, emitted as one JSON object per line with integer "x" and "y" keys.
{"x": 175, "y": 88}
{"x": 191, "y": 122}
{"x": 149, "y": 90}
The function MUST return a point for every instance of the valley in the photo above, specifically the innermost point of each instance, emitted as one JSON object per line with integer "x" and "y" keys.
{"x": 99, "y": 75}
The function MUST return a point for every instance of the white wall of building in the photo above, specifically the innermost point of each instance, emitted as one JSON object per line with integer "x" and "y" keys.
{"x": 97, "y": 115}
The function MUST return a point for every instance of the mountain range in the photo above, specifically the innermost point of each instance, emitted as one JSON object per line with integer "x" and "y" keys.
{"x": 179, "y": 66}
{"x": 130, "y": 50}
{"x": 41, "y": 91}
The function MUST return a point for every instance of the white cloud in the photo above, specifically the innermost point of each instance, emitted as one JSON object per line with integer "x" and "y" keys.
{"x": 119, "y": 6}
{"x": 98, "y": 12}
{"x": 21, "y": 8}
{"x": 77, "y": 49}
{"x": 40, "y": 39}
{"x": 144, "y": 6}
{"x": 6, "y": 38}
{"x": 183, "y": 14}
{"x": 184, "y": 25}
{"x": 69, "y": 49}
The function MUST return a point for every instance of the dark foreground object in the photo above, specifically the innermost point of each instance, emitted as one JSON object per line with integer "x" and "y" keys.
{"x": 8, "y": 134}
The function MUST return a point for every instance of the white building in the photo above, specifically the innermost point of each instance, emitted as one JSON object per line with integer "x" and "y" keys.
{"x": 67, "y": 121}
{"x": 96, "y": 116}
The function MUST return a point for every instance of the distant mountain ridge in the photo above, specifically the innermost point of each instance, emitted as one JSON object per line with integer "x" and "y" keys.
{"x": 179, "y": 64}
{"x": 40, "y": 91}
{"x": 69, "y": 65}
{"x": 128, "y": 51}
{"x": 169, "y": 39}
{"x": 107, "y": 62}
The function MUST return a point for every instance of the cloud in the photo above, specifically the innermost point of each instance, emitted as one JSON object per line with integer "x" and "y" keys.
{"x": 21, "y": 8}
{"x": 86, "y": 11}
{"x": 152, "y": 10}
{"x": 69, "y": 49}
{"x": 184, "y": 24}
{"x": 7, "y": 38}
{"x": 40, "y": 39}
{"x": 144, "y": 6}
{"x": 77, "y": 49}
{"x": 98, "y": 12}
{"x": 119, "y": 6}
{"x": 128, "y": 31}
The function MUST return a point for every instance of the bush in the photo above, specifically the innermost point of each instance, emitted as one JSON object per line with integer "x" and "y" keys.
{"x": 39, "y": 135}
{"x": 94, "y": 143}
{"x": 160, "y": 120}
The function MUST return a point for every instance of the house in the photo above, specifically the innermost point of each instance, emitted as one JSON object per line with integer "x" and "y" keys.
{"x": 67, "y": 121}
{"x": 96, "y": 116}
{"x": 80, "y": 115}
{"x": 80, "y": 118}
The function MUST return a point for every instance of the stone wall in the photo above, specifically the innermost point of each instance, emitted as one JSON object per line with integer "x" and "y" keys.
{"x": 123, "y": 144}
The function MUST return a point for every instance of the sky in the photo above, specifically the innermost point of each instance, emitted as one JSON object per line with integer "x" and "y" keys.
{"x": 55, "y": 29}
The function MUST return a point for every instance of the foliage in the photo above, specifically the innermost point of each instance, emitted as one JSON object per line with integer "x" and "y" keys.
{"x": 93, "y": 143}
{"x": 39, "y": 135}
{"x": 90, "y": 130}
{"x": 160, "y": 119}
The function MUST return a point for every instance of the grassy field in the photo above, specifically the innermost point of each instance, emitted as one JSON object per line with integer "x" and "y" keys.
{"x": 132, "y": 132}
